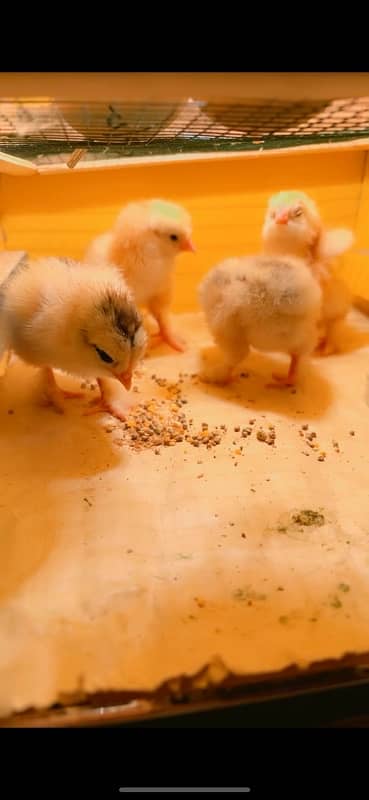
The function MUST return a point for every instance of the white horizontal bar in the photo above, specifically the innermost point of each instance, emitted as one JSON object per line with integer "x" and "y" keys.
{"x": 11, "y": 165}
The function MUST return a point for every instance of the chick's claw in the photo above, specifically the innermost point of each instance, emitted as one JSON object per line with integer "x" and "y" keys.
{"x": 71, "y": 395}
{"x": 168, "y": 337}
{"x": 326, "y": 348}
{"x": 46, "y": 401}
{"x": 280, "y": 382}
{"x": 174, "y": 341}
{"x": 53, "y": 395}
{"x": 103, "y": 406}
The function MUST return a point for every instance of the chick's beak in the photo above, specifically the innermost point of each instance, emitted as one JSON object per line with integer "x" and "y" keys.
{"x": 187, "y": 244}
{"x": 125, "y": 378}
{"x": 282, "y": 218}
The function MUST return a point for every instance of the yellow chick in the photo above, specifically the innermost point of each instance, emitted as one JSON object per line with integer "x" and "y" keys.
{"x": 56, "y": 315}
{"x": 293, "y": 226}
{"x": 144, "y": 243}
{"x": 272, "y": 304}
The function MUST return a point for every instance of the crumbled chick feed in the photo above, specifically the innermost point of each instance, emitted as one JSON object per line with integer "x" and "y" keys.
{"x": 163, "y": 423}
{"x": 158, "y": 423}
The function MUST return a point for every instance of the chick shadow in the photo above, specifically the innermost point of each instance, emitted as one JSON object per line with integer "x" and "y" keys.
{"x": 68, "y": 445}
{"x": 311, "y": 397}
{"x": 41, "y": 449}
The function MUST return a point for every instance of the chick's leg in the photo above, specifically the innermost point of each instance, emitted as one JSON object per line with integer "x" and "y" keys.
{"x": 215, "y": 367}
{"x": 327, "y": 345}
{"x": 53, "y": 395}
{"x": 323, "y": 339}
{"x": 219, "y": 364}
{"x": 4, "y": 362}
{"x": 290, "y": 378}
{"x": 107, "y": 402}
{"x": 159, "y": 308}
{"x": 321, "y": 347}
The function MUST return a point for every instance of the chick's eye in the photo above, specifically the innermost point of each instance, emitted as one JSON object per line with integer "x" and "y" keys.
{"x": 297, "y": 212}
{"x": 174, "y": 237}
{"x": 104, "y": 356}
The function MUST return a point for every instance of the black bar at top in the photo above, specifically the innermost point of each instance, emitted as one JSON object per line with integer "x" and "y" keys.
{"x": 185, "y": 789}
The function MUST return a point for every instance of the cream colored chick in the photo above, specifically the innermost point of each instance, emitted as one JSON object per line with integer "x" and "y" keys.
{"x": 56, "y": 315}
{"x": 272, "y": 304}
{"x": 293, "y": 226}
{"x": 144, "y": 243}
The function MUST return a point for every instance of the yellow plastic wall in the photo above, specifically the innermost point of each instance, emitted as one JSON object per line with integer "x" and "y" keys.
{"x": 58, "y": 214}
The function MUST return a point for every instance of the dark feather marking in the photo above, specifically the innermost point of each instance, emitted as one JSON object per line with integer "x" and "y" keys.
{"x": 123, "y": 316}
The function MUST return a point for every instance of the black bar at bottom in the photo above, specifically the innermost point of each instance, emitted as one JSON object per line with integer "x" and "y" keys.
{"x": 184, "y": 789}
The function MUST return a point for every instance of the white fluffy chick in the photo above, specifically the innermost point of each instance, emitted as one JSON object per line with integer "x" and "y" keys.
{"x": 293, "y": 226}
{"x": 144, "y": 243}
{"x": 337, "y": 298}
{"x": 272, "y": 304}
{"x": 54, "y": 314}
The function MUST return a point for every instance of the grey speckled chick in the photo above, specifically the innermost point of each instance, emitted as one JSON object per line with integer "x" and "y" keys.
{"x": 271, "y": 304}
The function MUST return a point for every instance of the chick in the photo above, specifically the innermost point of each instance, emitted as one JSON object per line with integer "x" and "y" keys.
{"x": 144, "y": 243}
{"x": 272, "y": 304}
{"x": 337, "y": 298}
{"x": 56, "y": 315}
{"x": 293, "y": 226}
{"x": 8, "y": 260}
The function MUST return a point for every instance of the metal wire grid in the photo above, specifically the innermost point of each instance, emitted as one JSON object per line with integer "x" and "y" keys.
{"x": 44, "y": 131}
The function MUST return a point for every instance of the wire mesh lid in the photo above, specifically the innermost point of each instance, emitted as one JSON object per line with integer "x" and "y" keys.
{"x": 41, "y": 129}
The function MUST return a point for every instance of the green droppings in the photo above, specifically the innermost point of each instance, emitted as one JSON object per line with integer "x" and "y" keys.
{"x": 307, "y": 517}
{"x": 336, "y": 602}
{"x": 282, "y": 199}
{"x": 344, "y": 587}
{"x": 283, "y": 620}
{"x": 166, "y": 209}
{"x": 294, "y": 523}
{"x": 247, "y": 594}
{"x": 184, "y": 556}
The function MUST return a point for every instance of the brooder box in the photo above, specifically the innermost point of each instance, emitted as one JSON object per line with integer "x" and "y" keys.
{"x": 143, "y": 576}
